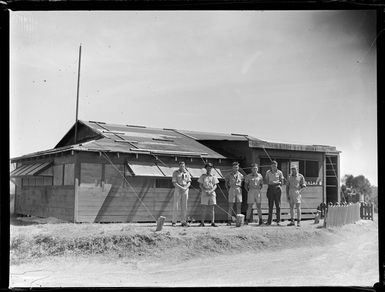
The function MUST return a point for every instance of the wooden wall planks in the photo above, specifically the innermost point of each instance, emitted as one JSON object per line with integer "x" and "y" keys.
{"x": 46, "y": 201}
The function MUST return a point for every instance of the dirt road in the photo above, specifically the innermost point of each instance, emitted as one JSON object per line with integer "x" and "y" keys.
{"x": 351, "y": 262}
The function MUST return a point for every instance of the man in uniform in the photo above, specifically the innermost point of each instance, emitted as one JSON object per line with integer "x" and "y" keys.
{"x": 233, "y": 182}
{"x": 253, "y": 186}
{"x": 274, "y": 179}
{"x": 181, "y": 180}
{"x": 295, "y": 183}
{"x": 208, "y": 184}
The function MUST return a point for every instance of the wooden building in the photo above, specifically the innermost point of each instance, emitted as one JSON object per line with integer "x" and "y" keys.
{"x": 122, "y": 173}
{"x": 318, "y": 163}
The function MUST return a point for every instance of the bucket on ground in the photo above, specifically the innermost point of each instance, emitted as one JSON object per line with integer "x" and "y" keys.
{"x": 240, "y": 220}
{"x": 159, "y": 223}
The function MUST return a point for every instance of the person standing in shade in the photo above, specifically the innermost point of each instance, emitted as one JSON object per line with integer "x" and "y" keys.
{"x": 181, "y": 180}
{"x": 208, "y": 184}
{"x": 274, "y": 179}
{"x": 233, "y": 182}
{"x": 253, "y": 186}
{"x": 295, "y": 184}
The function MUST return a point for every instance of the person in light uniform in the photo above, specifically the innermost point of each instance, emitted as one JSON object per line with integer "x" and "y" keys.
{"x": 208, "y": 184}
{"x": 295, "y": 184}
{"x": 253, "y": 186}
{"x": 233, "y": 182}
{"x": 181, "y": 180}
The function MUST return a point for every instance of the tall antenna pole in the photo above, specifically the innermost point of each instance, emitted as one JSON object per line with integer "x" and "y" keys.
{"x": 77, "y": 96}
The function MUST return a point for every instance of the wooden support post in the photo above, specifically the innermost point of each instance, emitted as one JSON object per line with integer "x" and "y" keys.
{"x": 159, "y": 223}
{"x": 370, "y": 211}
{"x": 76, "y": 200}
{"x": 362, "y": 211}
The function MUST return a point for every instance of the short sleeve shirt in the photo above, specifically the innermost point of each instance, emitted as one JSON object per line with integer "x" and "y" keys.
{"x": 296, "y": 182}
{"x": 181, "y": 177}
{"x": 234, "y": 180}
{"x": 208, "y": 181}
{"x": 254, "y": 181}
{"x": 274, "y": 177}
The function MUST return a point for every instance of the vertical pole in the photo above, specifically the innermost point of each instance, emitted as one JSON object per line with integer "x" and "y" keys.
{"x": 77, "y": 96}
{"x": 324, "y": 198}
{"x": 338, "y": 178}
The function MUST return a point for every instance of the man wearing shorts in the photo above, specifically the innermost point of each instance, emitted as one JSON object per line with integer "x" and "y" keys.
{"x": 208, "y": 184}
{"x": 233, "y": 182}
{"x": 253, "y": 186}
{"x": 181, "y": 180}
{"x": 295, "y": 183}
{"x": 274, "y": 178}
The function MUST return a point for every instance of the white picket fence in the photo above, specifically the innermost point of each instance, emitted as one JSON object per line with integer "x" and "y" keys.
{"x": 339, "y": 215}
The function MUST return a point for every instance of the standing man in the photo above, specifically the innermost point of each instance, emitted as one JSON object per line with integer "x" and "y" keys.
{"x": 274, "y": 179}
{"x": 181, "y": 180}
{"x": 253, "y": 186}
{"x": 208, "y": 184}
{"x": 233, "y": 182}
{"x": 295, "y": 184}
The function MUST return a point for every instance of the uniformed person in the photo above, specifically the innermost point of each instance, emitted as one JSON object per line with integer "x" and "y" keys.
{"x": 295, "y": 183}
{"x": 233, "y": 182}
{"x": 181, "y": 180}
{"x": 253, "y": 186}
{"x": 274, "y": 179}
{"x": 208, "y": 184}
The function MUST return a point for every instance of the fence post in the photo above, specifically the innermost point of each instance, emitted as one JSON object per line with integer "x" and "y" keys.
{"x": 372, "y": 211}
{"x": 362, "y": 210}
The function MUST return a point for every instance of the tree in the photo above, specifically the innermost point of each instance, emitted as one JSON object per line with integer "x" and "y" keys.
{"x": 362, "y": 185}
{"x": 348, "y": 180}
{"x": 358, "y": 184}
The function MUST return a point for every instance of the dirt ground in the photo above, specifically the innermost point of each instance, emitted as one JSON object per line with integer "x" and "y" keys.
{"x": 288, "y": 256}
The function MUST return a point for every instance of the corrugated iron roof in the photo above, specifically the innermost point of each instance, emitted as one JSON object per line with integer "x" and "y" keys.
{"x": 128, "y": 138}
{"x": 215, "y": 136}
{"x": 141, "y": 139}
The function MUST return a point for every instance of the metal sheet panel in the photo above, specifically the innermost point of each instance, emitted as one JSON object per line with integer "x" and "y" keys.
{"x": 196, "y": 172}
{"x": 145, "y": 169}
{"x": 223, "y": 171}
{"x": 38, "y": 169}
{"x": 162, "y": 141}
{"x": 19, "y": 170}
{"x": 28, "y": 169}
{"x": 167, "y": 170}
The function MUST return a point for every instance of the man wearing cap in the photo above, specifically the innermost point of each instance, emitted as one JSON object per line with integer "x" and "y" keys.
{"x": 295, "y": 183}
{"x": 181, "y": 180}
{"x": 208, "y": 184}
{"x": 233, "y": 182}
{"x": 253, "y": 186}
{"x": 274, "y": 179}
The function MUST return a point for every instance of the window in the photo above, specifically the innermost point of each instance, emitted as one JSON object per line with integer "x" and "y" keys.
{"x": 312, "y": 168}
{"x": 69, "y": 174}
{"x": 58, "y": 175}
{"x": 264, "y": 166}
{"x": 91, "y": 173}
{"x": 164, "y": 183}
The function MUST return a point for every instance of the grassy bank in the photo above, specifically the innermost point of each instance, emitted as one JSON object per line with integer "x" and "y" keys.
{"x": 34, "y": 242}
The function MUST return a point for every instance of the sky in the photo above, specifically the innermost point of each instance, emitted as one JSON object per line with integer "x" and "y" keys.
{"x": 301, "y": 77}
